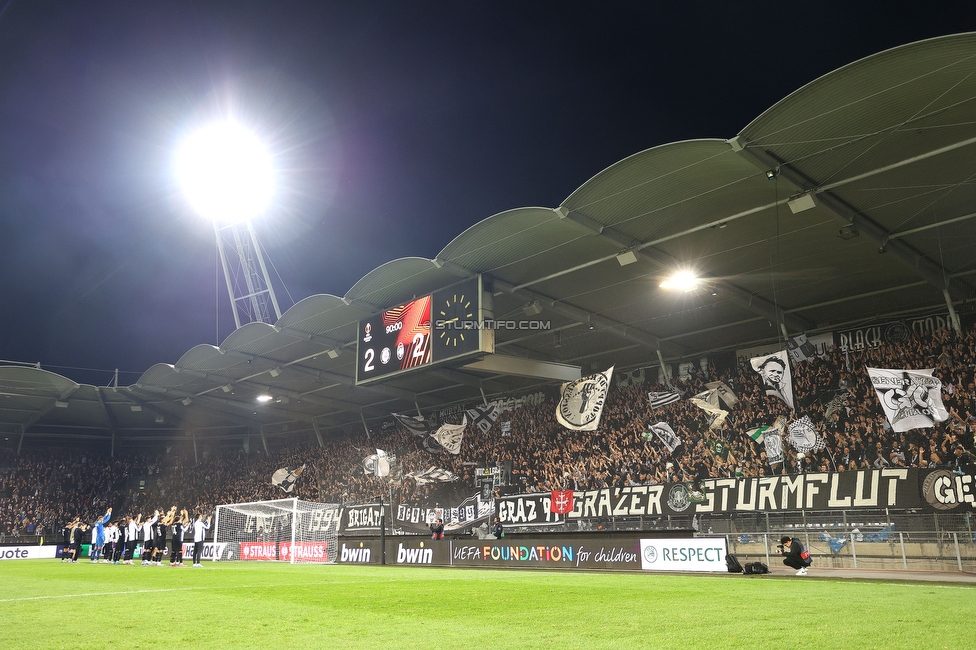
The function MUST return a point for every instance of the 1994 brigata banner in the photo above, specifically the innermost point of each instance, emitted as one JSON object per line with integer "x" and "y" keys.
{"x": 884, "y": 488}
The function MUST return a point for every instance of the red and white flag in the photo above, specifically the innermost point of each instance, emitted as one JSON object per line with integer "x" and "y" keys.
{"x": 562, "y": 502}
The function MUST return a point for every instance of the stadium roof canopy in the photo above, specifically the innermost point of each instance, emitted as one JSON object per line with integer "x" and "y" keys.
{"x": 850, "y": 201}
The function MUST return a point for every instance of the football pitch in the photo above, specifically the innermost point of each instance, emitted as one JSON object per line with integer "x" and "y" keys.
{"x": 47, "y": 604}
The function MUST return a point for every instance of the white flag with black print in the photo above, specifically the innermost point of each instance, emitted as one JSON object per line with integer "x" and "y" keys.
{"x": 805, "y": 437}
{"x": 483, "y": 417}
{"x": 708, "y": 402}
{"x": 665, "y": 434}
{"x": 432, "y": 475}
{"x": 449, "y": 436}
{"x": 724, "y": 393}
{"x": 663, "y": 398}
{"x": 774, "y": 446}
{"x": 581, "y": 404}
{"x": 774, "y": 373}
{"x": 378, "y": 464}
{"x": 286, "y": 477}
{"x": 911, "y": 399}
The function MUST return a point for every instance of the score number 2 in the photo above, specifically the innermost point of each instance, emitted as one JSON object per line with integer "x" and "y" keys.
{"x": 419, "y": 347}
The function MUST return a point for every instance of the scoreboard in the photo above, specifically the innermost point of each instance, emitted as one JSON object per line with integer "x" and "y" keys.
{"x": 440, "y": 327}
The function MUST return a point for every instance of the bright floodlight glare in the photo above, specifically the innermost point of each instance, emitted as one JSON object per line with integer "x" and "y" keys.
{"x": 226, "y": 173}
{"x": 264, "y": 398}
{"x": 682, "y": 281}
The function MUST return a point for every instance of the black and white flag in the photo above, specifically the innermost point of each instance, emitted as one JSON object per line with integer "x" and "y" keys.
{"x": 804, "y": 436}
{"x": 774, "y": 446}
{"x": 432, "y": 475}
{"x": 483, "y": 417}
{"x": 774, "y": 372}
{"x": 378, "y": 464}
{"x": 912, "y": 399}
{"x": 449, "y": 436}
{"x": 835, "y": 405}
{"x": 708, "y": 402}
{"x": 581, "y": 404}
{"x": 665, "y": 434}
{"x": 724, "y": 393}
{"x": 663, "y": 398}
{"x": 416, "y": 425}
{"x": 286, "y": 477}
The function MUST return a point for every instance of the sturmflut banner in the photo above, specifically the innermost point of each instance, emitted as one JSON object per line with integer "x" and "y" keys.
{"x": 880, "y": 488}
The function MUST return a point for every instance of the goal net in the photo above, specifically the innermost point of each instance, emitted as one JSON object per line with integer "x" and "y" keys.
{"x": 286, "y": 530}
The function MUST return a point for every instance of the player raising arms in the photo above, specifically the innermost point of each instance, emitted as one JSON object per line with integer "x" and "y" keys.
{"x": 98, "y": 537}
{"x": 179, "y": 524}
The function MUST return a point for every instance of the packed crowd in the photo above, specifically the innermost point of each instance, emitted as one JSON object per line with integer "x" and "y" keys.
{"x": 39, "y": 491}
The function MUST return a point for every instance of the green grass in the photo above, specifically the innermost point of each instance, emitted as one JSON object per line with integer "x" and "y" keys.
{"x": 46, "y": 604}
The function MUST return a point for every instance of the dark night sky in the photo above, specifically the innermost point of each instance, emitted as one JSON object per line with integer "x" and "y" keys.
{"x": 394, "y": 125}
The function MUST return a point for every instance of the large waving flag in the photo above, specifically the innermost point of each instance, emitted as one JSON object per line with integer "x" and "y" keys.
{"x": 286, "y": 477}
{"x": 416, "y": 425}
{"x": 665, "y": 434}
{"x": 581, "y": 404}
{"x": 912, "y": 399}
{"x": 774, "y": 372}
{"x": 483, "y": 417}
{"x": 378, "y": 464}
{"x": 708, "y": 402}
{"x": 449, "y": 435}
{"x": 432, "y": 475}
{"x": 663, "y": 398}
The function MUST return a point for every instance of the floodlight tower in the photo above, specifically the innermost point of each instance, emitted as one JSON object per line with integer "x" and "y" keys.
{"x": 228, "y": 178}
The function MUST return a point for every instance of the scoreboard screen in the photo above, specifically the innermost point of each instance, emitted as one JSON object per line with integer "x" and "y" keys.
{"x": 428, "y": 330}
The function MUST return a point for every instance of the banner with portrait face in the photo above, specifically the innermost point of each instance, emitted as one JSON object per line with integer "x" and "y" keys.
{"x": 774, "y": 373}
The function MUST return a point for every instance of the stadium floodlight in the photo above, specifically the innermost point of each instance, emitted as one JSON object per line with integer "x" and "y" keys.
{"x": 229, "y": 178}
{"x": 681, "y": 281}
{"x": 263, "y": 398}
{"x": 226, "y": 173}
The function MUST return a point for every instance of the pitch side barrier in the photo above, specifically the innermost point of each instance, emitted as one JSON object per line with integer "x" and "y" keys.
{"x": 659, "y": 551}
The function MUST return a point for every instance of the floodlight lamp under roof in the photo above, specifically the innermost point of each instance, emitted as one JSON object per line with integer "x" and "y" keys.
{"x": 263, "y": 398}
{"x": 681, "y": 281}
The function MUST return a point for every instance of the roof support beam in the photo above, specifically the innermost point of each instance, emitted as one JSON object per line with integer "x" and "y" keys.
{"x": 930, "y": 271}
{"x": 569, "y": 311}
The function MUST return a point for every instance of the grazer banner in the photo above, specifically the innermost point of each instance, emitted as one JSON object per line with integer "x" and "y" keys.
{"x": 879, "y": 488}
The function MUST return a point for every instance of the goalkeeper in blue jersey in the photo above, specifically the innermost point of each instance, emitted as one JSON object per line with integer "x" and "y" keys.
{"x": 98, "y": 536}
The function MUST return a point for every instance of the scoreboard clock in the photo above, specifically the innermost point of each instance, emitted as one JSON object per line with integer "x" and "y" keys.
{"x": 439, "y": 327}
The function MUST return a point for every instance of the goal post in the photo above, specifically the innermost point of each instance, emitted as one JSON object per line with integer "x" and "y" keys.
{"x": 284, "y": 530}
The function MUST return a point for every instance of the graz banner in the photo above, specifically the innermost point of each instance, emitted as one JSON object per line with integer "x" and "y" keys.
{"x": 879, "y": 488}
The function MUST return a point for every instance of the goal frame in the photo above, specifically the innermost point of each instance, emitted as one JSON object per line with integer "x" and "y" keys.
{"x": 289, "y": 507}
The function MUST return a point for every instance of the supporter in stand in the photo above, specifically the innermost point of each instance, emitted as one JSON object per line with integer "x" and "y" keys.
{"x": 48, "y": 487}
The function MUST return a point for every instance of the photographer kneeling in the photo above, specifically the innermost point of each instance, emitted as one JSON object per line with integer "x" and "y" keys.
{"x": 794, "y": 555}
